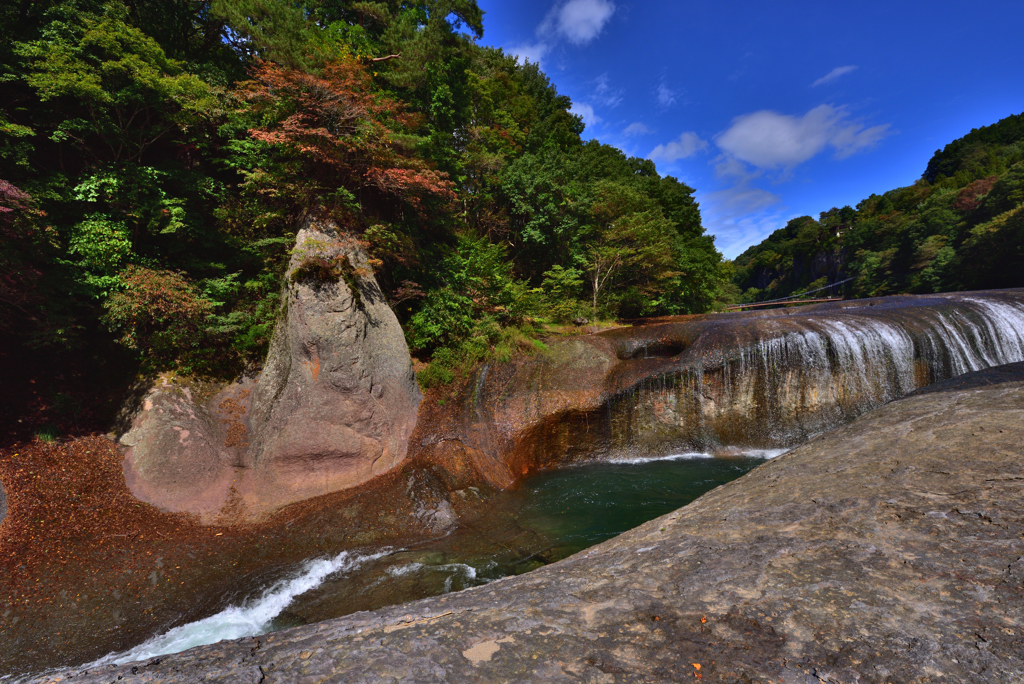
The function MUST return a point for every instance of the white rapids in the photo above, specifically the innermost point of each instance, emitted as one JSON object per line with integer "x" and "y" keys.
{"x": 252, "y": 619}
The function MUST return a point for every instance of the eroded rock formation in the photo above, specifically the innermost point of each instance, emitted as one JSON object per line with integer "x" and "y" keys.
{"x": 337, "y": 398}
{"x": 179, "y": 456}
{"x": 336, "y": 401}
{"x": 889, "y": 550}
{"x": 709, "y": 383}
{"x": 333, "y": 406}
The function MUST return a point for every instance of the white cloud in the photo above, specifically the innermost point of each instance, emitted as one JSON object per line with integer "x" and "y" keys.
{"x": 834, "y": 74}
{"x": 580, "y": 21}
{"x": 769, "y": 140}
{"x": 637, "y": 128}
{"x": 740, "y": 216}
{"x": 587, "y": 112}
{"x": 686, "y": 145}
{"x": 726, "y": 166}
{"x": 605, "y": 94}
{"x": 666, "y": 96}
{"x": 852, "y": 139}
{"x": 740, "y": 200}
{"x": 533, "y": 53}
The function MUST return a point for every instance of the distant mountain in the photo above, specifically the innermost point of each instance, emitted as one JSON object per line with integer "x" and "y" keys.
{"x": 960, "y": 227}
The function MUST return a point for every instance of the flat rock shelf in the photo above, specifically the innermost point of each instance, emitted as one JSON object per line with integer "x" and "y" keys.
{"x": 888, "y": 550}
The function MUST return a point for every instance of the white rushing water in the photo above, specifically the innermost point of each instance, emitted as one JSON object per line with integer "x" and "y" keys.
{"x": 861, "y": 360}
{"x": 453, "y": 571}
{"x": 252, "y": 619}
{"x": 693, "y": 455}
{"x": 800, "y": 375}
{"x": 977, "y": 334}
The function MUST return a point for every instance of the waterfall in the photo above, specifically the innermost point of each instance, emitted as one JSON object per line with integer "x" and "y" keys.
{"x": 774, "y": 380}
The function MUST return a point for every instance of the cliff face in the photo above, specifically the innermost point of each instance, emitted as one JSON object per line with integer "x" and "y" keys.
{"x": 888, "y": 550}
{"x": 333, "y": 406}
{"x": 758, "y": 380}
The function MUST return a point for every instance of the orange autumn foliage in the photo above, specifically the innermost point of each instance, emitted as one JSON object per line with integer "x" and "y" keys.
{"x": 341, "y": 129}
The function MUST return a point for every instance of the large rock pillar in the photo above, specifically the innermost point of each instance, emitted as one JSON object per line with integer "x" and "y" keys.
{"x": 333, "y": 407}
{"x": 337, "y": 399}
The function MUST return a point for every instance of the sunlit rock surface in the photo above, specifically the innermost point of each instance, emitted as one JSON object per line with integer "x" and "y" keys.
{"x": 336, "y": 401}
{"x": 337, "y": 397}
{"x": 178, "y": 454}
{"x": 888, "y": 550}
{"x": 765, "y": 380}
{"x": 333, "y": 407}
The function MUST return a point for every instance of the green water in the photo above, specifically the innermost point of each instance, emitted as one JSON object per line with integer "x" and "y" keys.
{"x": 579, "y": 507}
{"x": 550, "y": 516}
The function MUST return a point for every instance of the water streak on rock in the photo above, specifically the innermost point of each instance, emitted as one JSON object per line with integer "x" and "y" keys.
{"x": 761, "y": 380}
{"x": 787, "y": 377}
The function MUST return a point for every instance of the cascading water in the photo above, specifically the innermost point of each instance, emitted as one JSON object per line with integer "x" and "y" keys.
{"x": 784, "y": 378}
{"x": 249, "y": 620}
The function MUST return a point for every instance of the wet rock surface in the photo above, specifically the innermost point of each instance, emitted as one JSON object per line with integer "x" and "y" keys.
{"x": 3, "y": 503}
{"x": 888, "y": 550}
{"x": 767, "y": 379}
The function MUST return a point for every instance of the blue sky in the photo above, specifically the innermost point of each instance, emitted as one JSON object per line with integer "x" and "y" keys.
{"x": 773, "y": 110}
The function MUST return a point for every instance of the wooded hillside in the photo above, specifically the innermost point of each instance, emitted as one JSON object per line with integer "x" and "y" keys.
{"x": 157, "y": 158}
{"x": 960, "y": 227}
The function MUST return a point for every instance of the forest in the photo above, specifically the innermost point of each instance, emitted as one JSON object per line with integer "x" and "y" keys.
{"x": 158, "y": 157}
{"x": 959, "y": 227}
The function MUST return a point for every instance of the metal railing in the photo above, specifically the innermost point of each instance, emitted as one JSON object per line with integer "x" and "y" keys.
{"x": 794, "y": 298}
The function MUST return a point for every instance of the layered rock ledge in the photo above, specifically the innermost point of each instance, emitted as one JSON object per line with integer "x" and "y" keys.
{"x": 759, "y": 380}
{"x": 336, "y": 403}
{"x": 888, "y": 550}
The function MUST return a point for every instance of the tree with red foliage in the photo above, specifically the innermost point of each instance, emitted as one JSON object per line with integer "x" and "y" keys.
{"x": 159, "y": 311}
{"x": 346, "y": 135}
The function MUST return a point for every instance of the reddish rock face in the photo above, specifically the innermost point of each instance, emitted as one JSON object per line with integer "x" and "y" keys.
{"x": 337, "y": 401}
{"x": 333, "y": 407}
{"x": 760, "y": 380}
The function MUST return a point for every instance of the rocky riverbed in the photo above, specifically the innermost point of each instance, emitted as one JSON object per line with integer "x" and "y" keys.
{"x": 888, "y": 550}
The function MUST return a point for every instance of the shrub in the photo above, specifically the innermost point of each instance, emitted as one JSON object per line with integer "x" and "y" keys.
{"x": 157, "y": 312}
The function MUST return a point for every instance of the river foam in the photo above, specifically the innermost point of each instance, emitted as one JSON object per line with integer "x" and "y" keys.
{"x": 252, "y": 619}
{"x": 694, "y": 455}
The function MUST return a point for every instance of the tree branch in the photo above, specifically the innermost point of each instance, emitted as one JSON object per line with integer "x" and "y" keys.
{"x": 385, "y": 58}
